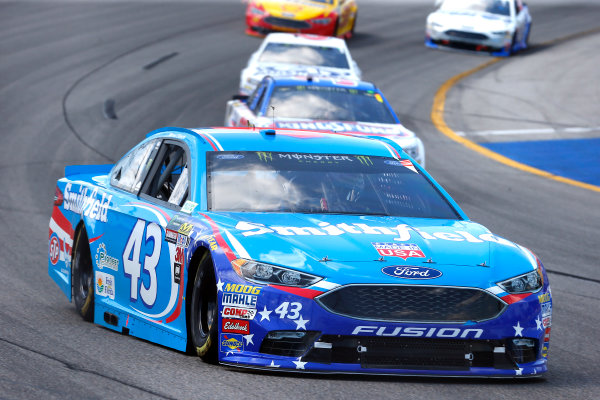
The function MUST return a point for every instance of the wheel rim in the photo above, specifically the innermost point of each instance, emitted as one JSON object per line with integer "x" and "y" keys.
{"x": 85, "y": 277}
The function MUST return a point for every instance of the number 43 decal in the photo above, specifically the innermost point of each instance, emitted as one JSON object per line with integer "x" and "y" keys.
{"x": 133, "y": 266}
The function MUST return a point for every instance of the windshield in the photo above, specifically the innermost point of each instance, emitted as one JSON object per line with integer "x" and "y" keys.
{"x": 321, "y": 184}
{"x": 304, "y": 55}
{"x": 501, "y": 7}
{"x": 330, "y": 104}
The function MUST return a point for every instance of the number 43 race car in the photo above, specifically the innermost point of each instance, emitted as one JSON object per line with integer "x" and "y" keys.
{"x": 252, "y": 249}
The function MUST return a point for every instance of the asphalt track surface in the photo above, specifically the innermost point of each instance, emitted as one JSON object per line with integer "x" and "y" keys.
{"x": 61, "y": 62}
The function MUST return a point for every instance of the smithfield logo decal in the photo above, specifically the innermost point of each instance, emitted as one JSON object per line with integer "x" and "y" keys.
{"x": 410, "y": 272}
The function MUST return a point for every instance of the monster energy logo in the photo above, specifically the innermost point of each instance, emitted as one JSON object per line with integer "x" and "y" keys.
{"x": 365, "y": 160}
{"x": 264, "y": 156}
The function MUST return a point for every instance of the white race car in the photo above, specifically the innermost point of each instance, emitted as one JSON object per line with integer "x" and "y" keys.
{"x": 293, "y": 54}
{"x": 344, "y": 106}
{"x": 500, "y": 27}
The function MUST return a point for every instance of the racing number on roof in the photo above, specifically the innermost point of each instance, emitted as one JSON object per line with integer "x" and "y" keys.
{"x": 133, "y": 266}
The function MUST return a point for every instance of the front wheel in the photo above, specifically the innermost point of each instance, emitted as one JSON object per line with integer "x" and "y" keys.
{"x": 203, "y": 312}
{"x": 83, "y": 276}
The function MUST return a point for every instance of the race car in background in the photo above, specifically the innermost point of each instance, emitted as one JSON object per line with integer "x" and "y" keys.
{"x": 321, "y": 17}
{"x": 316, "y": 103}
{"x": 299, "y": 251}
{"x": 499, "y": 27}
{"x": 295, "y": 54}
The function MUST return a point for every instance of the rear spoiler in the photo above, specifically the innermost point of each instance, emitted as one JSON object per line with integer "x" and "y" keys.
{"x": 100, "y": 169}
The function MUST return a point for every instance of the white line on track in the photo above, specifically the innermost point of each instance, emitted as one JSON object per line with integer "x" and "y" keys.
{"x": 539, "y": 131}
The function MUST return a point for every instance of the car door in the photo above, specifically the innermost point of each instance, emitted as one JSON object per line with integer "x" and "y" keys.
{"x": 148, "y": 284}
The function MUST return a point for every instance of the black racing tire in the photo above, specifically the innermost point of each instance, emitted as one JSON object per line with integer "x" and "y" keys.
{"x": 353, "y": 24}
{"x": 82, "y": 276}
{"x": 203, "y": 317}
{"x": 336, "y": 27}
{"x": 512, "y": 44}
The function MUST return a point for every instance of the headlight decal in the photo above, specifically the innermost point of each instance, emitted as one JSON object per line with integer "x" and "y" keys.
{"x": 270, "y": 274}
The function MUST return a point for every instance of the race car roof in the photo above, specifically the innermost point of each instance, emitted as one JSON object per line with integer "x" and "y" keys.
{"x": 287, "y": 140}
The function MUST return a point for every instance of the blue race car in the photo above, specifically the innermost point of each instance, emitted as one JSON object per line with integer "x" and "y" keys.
{"x": 295, "y": 250}
{"x": 322, "y": 103}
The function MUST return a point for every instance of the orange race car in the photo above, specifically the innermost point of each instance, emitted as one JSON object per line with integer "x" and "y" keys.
{"x": 321, "y": 17}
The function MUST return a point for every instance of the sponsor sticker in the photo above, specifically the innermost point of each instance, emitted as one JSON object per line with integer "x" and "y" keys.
{"x": 235, "y": 326}
{"x": 546, "y": 309}
{"x": 411, "y": 272}
{"x": 188, "y": 207}
{"x": 86, "y": 202}
{"x": 547, "y": 321}
{"x": 393, "y": 162}
{"x": 231, "y": 343}
{"x": 183, "y": 240}
{"x": 103, "y": 260}
{"x": 105, "y": 285}
{"x": 229, "y": 156}
{"x": 171, "y": 236}
{"x": 54, "y": 249}
{"x": 212, "y": 242}
{"x": 246, "y": 289}
{"x": 401, "y": 250}
{"x": 544, "y": 297}
{"x": 238, "y": 312}
{"x": 239, "y": 300}
{"x": 545, "y": 350}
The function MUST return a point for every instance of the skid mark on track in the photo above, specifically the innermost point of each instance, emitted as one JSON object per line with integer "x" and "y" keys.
{"x": 79, "y": 368}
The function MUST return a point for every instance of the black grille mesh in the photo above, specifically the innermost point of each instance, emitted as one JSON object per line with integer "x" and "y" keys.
{"x": 466, "y": 35}
{"x": 287, "y": 23}
{"x": 412, "y": 303}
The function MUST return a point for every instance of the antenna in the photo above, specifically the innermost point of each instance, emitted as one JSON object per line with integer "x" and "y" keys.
{"x": 273, "y": 107}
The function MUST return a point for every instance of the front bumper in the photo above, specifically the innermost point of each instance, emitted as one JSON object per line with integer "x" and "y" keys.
{"x": 496, "y": 44}
{"x": 291, "y": 331}
{"x": 262, "y": 25}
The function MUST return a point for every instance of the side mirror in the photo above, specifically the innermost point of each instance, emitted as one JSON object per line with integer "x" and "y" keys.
{"x": 241, "y": 97}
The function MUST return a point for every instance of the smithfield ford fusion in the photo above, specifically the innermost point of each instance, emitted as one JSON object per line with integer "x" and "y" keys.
{"x": 295, "y": 250}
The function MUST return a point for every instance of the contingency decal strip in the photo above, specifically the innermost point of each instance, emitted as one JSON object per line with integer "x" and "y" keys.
{"x": 220, "y": 241}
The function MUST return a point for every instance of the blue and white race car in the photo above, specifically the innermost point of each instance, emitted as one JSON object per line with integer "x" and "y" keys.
{"x": 499, "y": 27}
{"x": 296, "y": 250}
{"x": 318, "y": 103}
{"x": 294, "y": 54}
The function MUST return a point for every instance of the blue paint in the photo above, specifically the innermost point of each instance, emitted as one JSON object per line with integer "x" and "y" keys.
{"x": 577, "y": 159}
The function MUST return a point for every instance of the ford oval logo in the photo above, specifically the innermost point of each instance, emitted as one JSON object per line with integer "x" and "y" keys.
{"x": 411, "y": 272}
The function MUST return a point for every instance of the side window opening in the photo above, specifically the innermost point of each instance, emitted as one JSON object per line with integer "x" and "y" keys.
{"x": 169, "y": 180}
{"x": 129, "y": 172}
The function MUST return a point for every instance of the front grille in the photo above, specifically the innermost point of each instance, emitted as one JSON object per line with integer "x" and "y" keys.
{"x": 405, "y": 303}
{"x": 287, "y": 23}
{"x": 288, "y": 343}
{"x": 466, "y": 35}
{"x": 411, "y": 353}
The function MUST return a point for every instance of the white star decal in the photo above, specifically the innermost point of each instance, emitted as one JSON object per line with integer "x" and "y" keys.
{"x": 220, "y": 286}
{"x": 538, "y": 321}
{"x": 264, "y": 314}
{"x": 228, "y": 353}
{"x": 519, "y": 371}
{"x": 518, "y": 329}
{"x": 249, "y": 338}
{"x": 301, "y": 323}
{"x": 299, "y": 364}
{"x": 273, "y": 364}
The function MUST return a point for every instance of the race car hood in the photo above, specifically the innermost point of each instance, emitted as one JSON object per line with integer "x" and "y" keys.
{"x": 470, "y": 21}
{"x": 294, "y": 9}
{"x": 367, "y": 128}
{"x": 350, "y": 248}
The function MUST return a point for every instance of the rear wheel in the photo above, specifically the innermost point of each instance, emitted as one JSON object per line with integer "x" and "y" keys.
{"x": 336, "y": 27}
{"x": 203, "y": 312}
{"x": 83, "y": 276}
